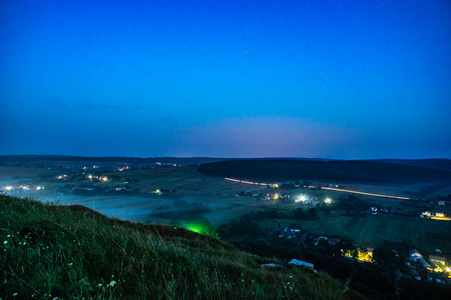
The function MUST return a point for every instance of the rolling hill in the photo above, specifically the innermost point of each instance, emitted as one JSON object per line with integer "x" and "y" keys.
{"x": 72, "y": 252}
{"x": 329, "y": 171}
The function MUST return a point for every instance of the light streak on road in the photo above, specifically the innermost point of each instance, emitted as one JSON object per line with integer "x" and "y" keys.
{"x": 246, "y": 182}
{"x": 441, "y": 218}
{"x": 326, "y": 188}
{"x": 230, "y": 179}
{"x": 362, "y": 193}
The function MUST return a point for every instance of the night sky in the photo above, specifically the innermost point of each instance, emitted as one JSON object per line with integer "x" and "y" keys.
{"x": 331, "y": 79}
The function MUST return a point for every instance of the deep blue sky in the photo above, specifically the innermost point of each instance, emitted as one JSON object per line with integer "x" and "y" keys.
{"x": 335, "y": 79}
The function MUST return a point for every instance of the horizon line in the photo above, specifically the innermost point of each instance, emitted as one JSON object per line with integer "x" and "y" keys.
{"x": 219, "y": 157}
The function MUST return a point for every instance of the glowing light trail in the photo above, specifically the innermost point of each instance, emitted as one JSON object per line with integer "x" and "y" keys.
{"x": 326, "y": 188}
{"x": 362, "y": 193}
{"x": 246, "y": 182}
{"x": 441, "y": 218}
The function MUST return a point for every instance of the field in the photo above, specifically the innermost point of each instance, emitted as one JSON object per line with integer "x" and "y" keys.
{"x": 218, "y": 203}
{"x": 24, "y": 173}
{"x": 216, "y": 194}
{"x": 370, "y": 231}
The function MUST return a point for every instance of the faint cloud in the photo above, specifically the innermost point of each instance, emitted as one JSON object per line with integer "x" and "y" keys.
{"x": 267, "y": 136}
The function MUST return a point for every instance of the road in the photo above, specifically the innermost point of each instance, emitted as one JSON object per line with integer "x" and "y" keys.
{"x": 329, "y": 188}
{"x": 362, "y": 193}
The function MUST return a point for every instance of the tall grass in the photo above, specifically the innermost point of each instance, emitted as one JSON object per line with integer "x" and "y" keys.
{"x": 51, "y": 251}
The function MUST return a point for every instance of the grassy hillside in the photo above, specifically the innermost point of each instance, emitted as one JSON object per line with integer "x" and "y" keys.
{"x": 338, "y": 171}
{"x": 74, "y": 252}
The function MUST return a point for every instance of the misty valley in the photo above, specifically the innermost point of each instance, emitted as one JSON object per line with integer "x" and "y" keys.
{"x": 378, "y": 234}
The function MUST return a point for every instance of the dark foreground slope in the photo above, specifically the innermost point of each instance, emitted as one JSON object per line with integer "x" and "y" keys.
{"x": 332, "y": 171}
{"x": 74, "y": 252}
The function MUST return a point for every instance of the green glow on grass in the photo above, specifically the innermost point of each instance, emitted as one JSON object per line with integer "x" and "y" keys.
{"x": 195, "y": 228}
{"x": 202, "y": 227}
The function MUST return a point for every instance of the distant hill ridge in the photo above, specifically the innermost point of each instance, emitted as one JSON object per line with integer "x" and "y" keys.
{"x": 433, "y": 163}
{"x": 329, "y": 171}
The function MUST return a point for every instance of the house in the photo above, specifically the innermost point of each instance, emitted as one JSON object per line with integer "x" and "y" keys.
{"x": 331, "y": 242}
{"x": 415, "y": 255}
{"x": 437, "y": 259}
{"x": 425, "y": 264}
{"x": 293, "y": 230}
{"x": 301, "y": 263}
{"x": 436, "y": 268}
{"x": 348, "y": 257}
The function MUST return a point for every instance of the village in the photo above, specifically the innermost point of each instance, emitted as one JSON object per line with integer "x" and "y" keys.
{"x": 428, "y": 267}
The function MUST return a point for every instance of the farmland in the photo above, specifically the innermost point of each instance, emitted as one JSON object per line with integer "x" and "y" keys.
{"x": 370, "y": 231}
{"x": 214, "y": 193}
{"x": 357, "y": 215}
{"x": 189, "y": 195}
